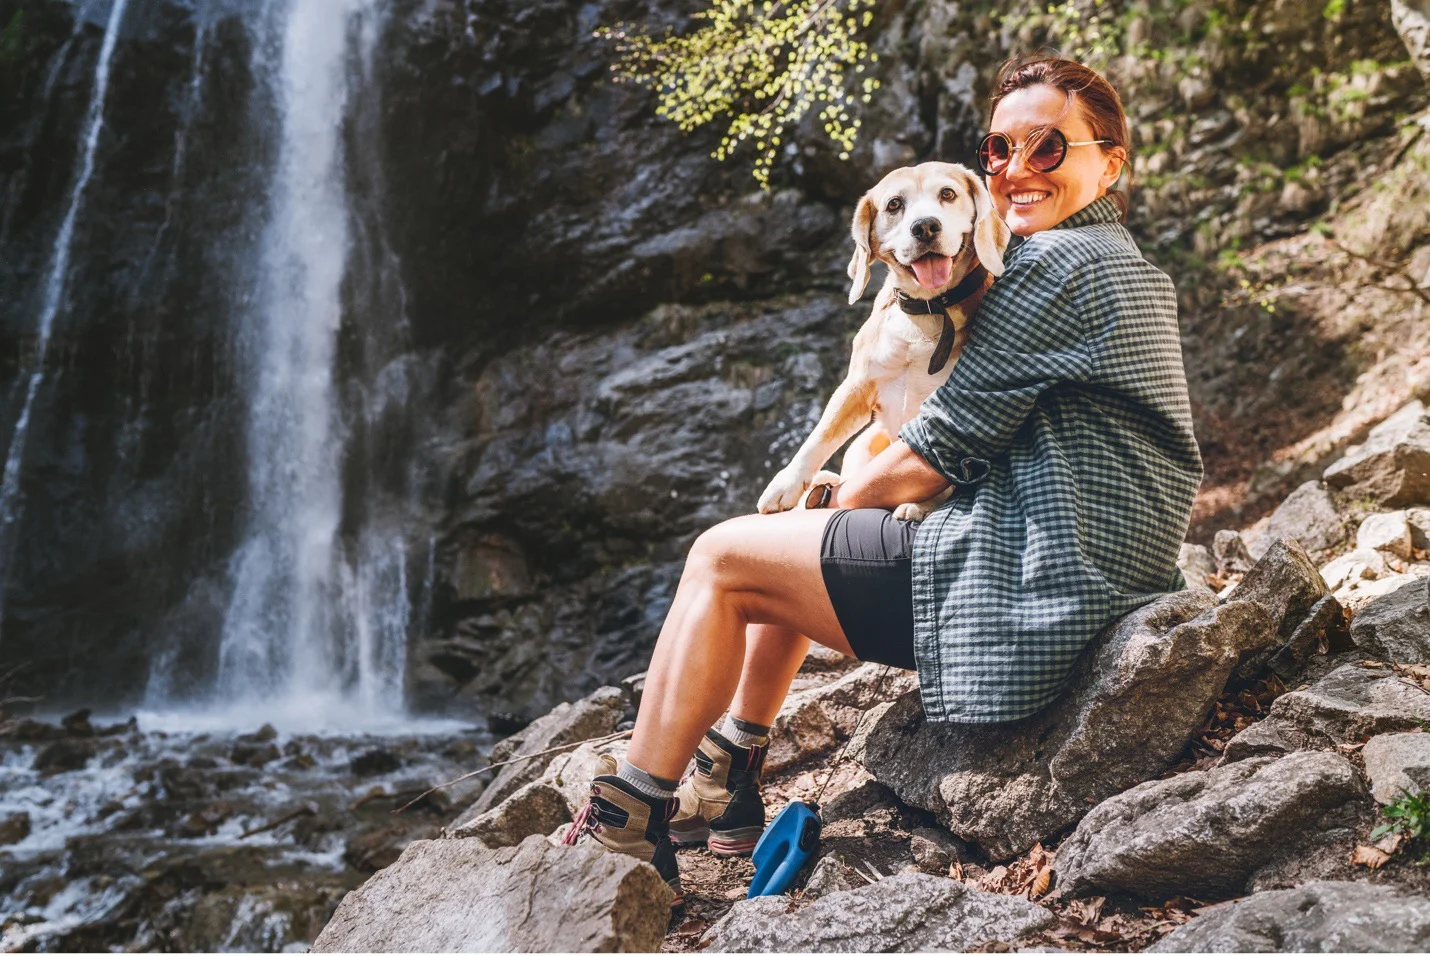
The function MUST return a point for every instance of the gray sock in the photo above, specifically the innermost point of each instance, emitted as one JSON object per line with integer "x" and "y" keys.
{"x": 742, "y": 733}
{"x": 648, "y": 784}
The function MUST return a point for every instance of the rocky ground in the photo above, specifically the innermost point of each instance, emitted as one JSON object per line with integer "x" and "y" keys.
{"x": 1219, "y": 777}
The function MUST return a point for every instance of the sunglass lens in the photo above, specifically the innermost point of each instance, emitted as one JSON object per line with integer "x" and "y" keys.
{"x": 993, "y": 154}
{"x": 1049, "y": 153}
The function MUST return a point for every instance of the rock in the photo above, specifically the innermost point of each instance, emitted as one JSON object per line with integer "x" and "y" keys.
{"x": 824, "y": 660}
{"x": 1136, "y": 696}
{"x": 831, "y": 876}
{"x": 1412, "y": 22}
{"x": 1357, "y": 595}
{"x": 1397, "y": 625}
{"x": 452, "y": 896}
{"x": 1349, "y": 704}
{"x": 65, "y": 755}
{"x": 1353, "y": 566}
{"x": 634, "y": 687}
{"x": 815, "y": 721}
{"x": 593, "y": 716}
{"x": 1392, "y": 467}
{"x": 1309, "y": 516}
{"x": 1204, "y": 833}
{"x": 1388, "y": 531}
{"x": 374, "y": 762}
{"x": 934, "y": 850}
{"x": 14, "y": 827}
{"x": 1419, "y": 521}
{"x": 1324, "y": 630}
{"x": 571, "y": 773}
{"x": 536, "y": 808}
{"x": 376, "y": 849}
{"x": 1286, "y": 585}
{"x": 1231, "y": 552}
{"x": 1397, "y": 764}
{"x": 1319, "y": 917}
{"x": 908, "y": 912}
{"x": 1197, "y": 564}
{"x": 858, "y": 801}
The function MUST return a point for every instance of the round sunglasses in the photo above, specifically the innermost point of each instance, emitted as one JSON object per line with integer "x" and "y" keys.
{"x": 995, "y": 152}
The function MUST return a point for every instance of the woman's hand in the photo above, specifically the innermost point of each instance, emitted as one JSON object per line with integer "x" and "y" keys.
{"x": 893, "y": 477}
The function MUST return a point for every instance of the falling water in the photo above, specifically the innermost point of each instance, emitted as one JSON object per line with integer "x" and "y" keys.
{"x": 314, "y": 624}
{"x": 54, "y": 294}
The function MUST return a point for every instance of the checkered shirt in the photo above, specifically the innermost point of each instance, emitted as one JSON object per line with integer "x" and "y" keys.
{"x": 1066, "y": 424}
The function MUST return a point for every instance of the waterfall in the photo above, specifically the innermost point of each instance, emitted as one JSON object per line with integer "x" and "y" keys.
{"x": 55, "y": 280}
{"x": 318, "y": 620}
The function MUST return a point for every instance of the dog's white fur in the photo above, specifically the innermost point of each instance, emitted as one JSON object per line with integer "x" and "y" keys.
{"x": 888, "y": 373}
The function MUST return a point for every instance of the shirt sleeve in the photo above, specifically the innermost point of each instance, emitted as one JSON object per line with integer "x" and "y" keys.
{"x": 1027, "y": 337}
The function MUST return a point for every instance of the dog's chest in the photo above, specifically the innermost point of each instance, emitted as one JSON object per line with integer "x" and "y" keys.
{"x": 899, "y": 363}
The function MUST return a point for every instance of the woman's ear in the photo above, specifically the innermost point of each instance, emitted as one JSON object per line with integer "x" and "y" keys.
{"x": 1116, "y": 167}
{"x": 862, "y": 229}
{"x": 990, "y": 232}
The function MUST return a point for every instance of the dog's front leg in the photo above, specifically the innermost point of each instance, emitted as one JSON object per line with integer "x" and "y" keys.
{"x": 848, "y": 410}
{"x": 918, "y": 511}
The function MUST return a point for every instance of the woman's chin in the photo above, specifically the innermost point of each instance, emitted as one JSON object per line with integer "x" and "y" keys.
{"x": 1024, "y": 222}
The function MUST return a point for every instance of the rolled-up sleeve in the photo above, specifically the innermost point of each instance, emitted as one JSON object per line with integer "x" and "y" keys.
{"x": 1027, "y": 337}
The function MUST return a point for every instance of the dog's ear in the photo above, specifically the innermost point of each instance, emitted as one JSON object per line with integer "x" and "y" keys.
{"x": 990, "y": 233}
{"x": 862, "y": 228}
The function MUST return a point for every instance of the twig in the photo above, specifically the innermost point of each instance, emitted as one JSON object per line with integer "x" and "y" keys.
{"x": 502, "y": 763}
{"x": 300, "y": 812}
{"x": 380, "y": 795}
{"x": 1392, "y": 267}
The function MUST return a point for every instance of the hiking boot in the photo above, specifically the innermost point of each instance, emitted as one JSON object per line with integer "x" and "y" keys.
{"x": 624, "y": 820}
{"x": 720, "y": 803}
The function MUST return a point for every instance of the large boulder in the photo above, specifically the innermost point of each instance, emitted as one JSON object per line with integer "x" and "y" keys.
{"x": 1397, "y": 764}
{"x": 1309, "y": 515}
{"x": 1388, "y": 531}
{"x": 1287, "y": 584}
{"x": 1205, "y": 833}
{"x": 452, "y": 896}
{"x": 1135, "y": 699}
{"x": 537, "y": 808}
{"x": 592, "y": 716}
{"x": 1397, "y": 625}
{"x": 1349, "y": 704}
{"x": 1320, "y": 917}
{"x": 907, "y": 913}
{"x": 1392, "y": 467}
{"x": 814, "y": 721}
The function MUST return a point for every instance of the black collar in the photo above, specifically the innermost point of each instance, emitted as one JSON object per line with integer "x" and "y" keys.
{"x": 942, "y": 303}
{"x": 939, "y": 305}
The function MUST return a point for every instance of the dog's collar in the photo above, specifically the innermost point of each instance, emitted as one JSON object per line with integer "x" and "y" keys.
{"x": 939, "y": 305}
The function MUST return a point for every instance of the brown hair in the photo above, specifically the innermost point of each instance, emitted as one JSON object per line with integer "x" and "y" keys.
{"x": 1101, "y": 106}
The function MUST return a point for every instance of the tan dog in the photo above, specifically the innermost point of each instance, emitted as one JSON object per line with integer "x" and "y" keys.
{"x": 934, "y": 226}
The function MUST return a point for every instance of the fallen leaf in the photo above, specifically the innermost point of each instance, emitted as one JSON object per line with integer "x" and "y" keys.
{"x": 1041, "y": 882}
{"x": 955, "y": 871}
{"x": 1389, "y": 843}
{"x": 1369, "y": 857}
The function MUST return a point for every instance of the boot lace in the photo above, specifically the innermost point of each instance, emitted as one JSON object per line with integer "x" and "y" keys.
{"x": 586, "y": 821}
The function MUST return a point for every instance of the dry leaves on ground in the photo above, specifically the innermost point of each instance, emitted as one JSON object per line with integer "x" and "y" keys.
{"x": 1234, "y": 712}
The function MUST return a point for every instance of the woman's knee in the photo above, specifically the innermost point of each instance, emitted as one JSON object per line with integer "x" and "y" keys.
{"x": 716, "y": 555}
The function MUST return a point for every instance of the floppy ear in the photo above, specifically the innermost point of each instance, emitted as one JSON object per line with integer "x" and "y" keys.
{"x": 862, "y": 228}
{"x": 990, "y": 233}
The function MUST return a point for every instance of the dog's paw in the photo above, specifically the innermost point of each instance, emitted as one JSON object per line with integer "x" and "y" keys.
{"x": 911, "y": 512}
{"x": 824, "y": 477}
{"x": 784, "y": 492}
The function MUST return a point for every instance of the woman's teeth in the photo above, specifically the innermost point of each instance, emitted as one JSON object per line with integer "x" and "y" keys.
{"x": 1028, "y": 199}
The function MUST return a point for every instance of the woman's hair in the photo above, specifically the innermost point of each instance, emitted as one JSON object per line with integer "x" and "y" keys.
{"x": 1101, "y": 106}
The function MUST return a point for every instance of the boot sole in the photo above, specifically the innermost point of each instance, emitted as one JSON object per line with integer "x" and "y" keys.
{"x": 721, "y": 842}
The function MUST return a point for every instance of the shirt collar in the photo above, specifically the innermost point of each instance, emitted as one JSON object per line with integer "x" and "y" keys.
{"x": 1101, "y": 209}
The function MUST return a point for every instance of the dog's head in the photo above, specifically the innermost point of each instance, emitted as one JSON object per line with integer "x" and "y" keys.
{"x": 926, "y": 222}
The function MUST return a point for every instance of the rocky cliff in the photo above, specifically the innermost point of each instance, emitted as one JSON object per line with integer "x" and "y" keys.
{"x": 607, "y": 341}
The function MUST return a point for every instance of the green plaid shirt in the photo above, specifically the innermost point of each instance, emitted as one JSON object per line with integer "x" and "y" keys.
{"x": 1067, "y": 413}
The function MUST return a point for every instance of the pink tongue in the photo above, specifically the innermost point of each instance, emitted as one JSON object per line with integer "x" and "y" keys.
{"x": 933, "y": 271}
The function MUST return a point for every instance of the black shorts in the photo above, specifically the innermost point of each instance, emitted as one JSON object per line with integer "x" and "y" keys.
{"x": 866, "y": 558}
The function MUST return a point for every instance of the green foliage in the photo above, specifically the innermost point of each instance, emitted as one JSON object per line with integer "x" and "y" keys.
{"x": 759, "y": 65}
{"x": 1086, "y": 30}
{"x": 12, "y": 38}
{"x": 1409, "y": 814}
{"x": 1333, "y": 9}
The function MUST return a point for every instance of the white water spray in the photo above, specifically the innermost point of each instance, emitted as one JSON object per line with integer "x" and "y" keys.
{"x": 10, "y": 505}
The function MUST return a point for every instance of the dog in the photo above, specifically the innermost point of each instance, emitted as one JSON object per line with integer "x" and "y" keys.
{"x": 935, "y": 228}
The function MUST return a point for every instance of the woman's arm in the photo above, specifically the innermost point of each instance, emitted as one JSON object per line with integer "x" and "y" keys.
{"x": 893, "y": 477}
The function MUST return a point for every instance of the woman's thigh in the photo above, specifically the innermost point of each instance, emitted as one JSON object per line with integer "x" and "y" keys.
{"x": 769, "y": 565}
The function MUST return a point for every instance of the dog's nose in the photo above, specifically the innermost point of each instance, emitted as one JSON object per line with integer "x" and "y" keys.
{"x": 925, "y": 229}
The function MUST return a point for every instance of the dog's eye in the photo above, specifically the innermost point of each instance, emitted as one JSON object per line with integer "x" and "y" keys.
{"x": 947, "y": 194}
{"x": 895, "y": 204}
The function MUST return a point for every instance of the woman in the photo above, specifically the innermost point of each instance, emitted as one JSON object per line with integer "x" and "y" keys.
{"x": 1065, "y": 426}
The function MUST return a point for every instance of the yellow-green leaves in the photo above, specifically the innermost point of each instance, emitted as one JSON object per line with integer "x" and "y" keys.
{"x": 761, "y": 65}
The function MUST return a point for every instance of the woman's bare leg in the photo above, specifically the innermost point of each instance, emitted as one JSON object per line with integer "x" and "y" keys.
{"x": 773, "y": 655}
{"x": 754, "y": 569}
